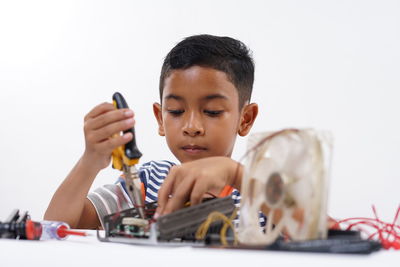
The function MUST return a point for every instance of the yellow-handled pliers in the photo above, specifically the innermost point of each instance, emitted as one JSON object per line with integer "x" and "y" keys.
{"x": 125, "y": 158}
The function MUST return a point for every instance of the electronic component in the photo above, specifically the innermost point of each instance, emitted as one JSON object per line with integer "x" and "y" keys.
{"x": 122, "y": 224}
{"x": 286, "y": 179}
{"x": 174, "y": 229}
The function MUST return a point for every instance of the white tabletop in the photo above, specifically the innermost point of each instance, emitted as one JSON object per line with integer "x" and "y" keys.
{"x": 88, "y": 251}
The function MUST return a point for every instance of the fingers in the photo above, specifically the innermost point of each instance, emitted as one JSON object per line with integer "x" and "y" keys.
{"x": 192, "y": 181}
{"x": 111, "y": 143}
{"x": 109, "y": 117}
{"x": 102, "y": 128}
{"x": 180, "y": 196}
{"x": 99, "y": 109}
{"x": 179, "y": 187}
{"x": 104, "y": 121}
{"x": 197, "y": 194}
{"x": 166, "y": 189}
{"x": 109, "y": 130}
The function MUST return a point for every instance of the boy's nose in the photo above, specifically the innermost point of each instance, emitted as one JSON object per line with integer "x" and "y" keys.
{"x": 193, "y": 126}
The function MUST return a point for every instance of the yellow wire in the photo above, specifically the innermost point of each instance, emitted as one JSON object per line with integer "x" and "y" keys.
{"x": 218, "y": 216}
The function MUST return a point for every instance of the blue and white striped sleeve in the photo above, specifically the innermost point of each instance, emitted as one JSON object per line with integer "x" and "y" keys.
{"x": 111, "y": 198}
{"x": 155, "y": 173}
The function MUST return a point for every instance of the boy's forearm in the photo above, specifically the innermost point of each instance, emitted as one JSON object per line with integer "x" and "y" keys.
{"x": 68, "y": 201}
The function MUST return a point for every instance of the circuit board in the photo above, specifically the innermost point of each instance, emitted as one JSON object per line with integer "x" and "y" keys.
{"x": 177, "y": 228}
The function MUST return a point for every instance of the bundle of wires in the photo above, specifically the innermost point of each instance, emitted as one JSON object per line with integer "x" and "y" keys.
{"x": 215, "y": 216}
{"x": 388, "y": 234}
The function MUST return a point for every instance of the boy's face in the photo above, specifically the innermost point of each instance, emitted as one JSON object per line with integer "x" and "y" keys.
{"x": 200, "y": 115}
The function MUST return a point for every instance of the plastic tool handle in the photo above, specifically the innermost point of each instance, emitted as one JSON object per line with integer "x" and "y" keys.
{"x": 131, "y": 150}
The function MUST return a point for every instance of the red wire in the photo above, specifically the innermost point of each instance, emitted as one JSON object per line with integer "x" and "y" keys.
{"x": 394, "y": 223}
{"x": 388, "y": 233}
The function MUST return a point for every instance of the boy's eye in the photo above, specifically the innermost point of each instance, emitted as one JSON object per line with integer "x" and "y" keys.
{"x": 175, "y": 112}
{"x": 213, "y": 113}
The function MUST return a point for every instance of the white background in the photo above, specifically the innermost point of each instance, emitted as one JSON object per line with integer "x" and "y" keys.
{"x": 330, "y": 65}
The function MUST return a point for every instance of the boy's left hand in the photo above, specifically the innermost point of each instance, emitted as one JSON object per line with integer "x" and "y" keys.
{"x": 192, "y": 180}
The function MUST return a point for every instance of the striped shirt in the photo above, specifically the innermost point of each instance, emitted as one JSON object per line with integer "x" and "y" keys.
{"x": 111, "y": 198}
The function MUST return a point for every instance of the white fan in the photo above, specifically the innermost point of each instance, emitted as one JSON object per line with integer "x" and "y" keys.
{"x": 286, "y": 175}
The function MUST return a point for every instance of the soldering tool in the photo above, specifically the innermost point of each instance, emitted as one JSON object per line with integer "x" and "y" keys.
{"x": 125, "y": 158}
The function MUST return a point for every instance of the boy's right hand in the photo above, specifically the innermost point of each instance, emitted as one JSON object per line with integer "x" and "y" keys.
{"x": 102, "y": 127}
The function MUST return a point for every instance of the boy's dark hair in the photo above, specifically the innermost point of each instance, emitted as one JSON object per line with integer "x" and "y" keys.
{"x": 221, "y": 53}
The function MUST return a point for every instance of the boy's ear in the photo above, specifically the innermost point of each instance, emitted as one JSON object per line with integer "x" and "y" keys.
{"x": 248, "y": 116}
{"x": 158, "y": 114}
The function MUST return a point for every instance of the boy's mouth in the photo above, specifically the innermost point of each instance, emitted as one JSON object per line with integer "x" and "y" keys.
{"x": 193, "y": 149}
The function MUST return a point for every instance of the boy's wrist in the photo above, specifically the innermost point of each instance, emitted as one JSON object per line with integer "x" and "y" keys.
{"x": 88, "y": 163}
{"x": 236, "y": 174}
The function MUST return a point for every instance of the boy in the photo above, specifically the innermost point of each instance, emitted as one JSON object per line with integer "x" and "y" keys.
{"x": 205, "y": 88}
